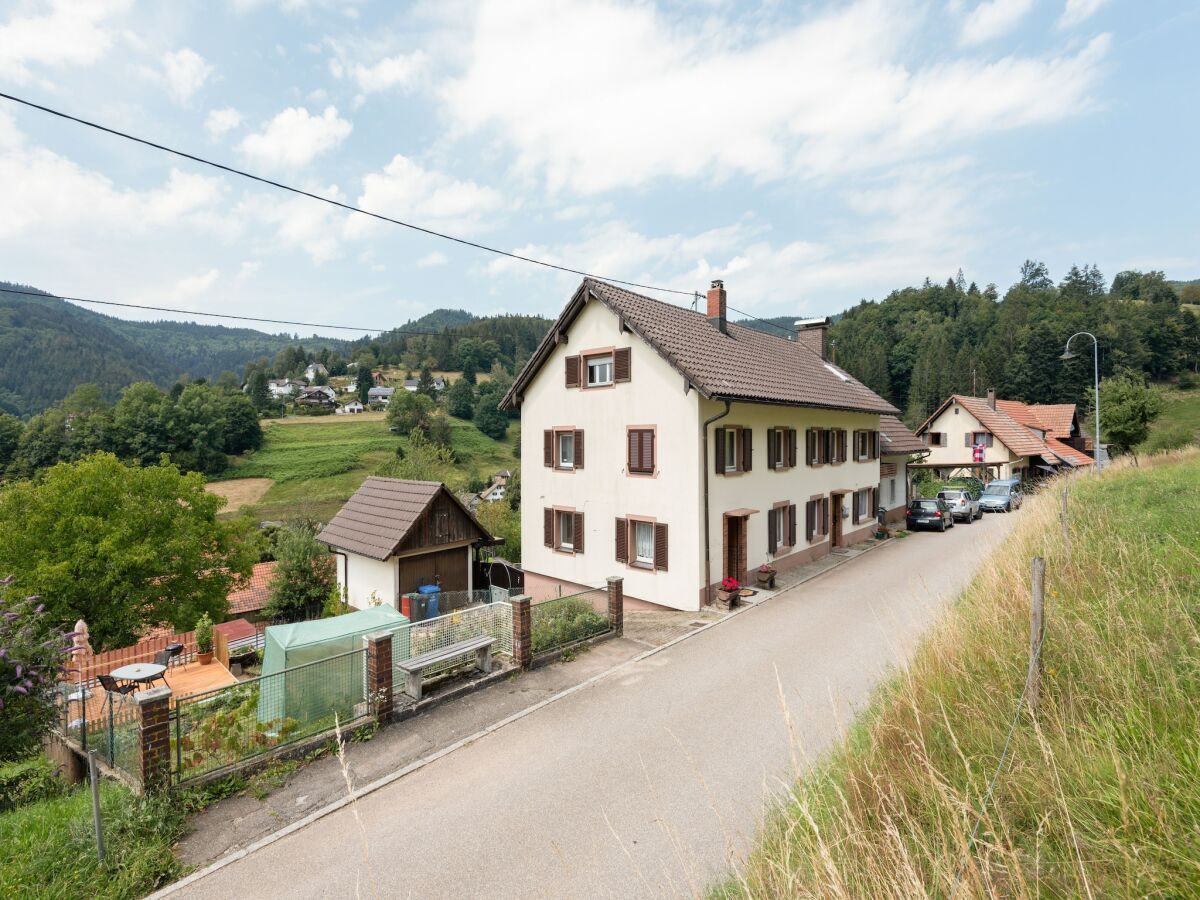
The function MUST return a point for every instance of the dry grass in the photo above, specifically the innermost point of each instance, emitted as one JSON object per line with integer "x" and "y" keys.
{"x": 240, "y": 492}
{"x": 1101, "y": 793}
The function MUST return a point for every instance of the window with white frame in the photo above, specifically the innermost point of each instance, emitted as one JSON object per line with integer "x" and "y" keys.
{"x": 566, "y": 530}
{"x": 566, "y": 449}
{"x": 599, "y": 370}
{"x": 643, "y": 543}
{"x": 891, "y": 492}
{"x": 731, "y": 455}
{"x": 778, "y": 446}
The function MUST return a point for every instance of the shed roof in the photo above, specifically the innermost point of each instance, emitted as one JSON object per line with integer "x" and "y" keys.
{"x": 252, "y": 594}
{"x": 897, "y": 439}
{"x": 743, "y": 364}
{"x": 377, "y": 519}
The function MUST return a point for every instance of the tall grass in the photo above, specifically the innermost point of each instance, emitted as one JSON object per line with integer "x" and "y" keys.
{"x": 1101, "y": 793}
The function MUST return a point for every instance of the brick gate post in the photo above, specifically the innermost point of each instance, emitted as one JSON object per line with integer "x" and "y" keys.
{"x": 379, "y": 674}
{"x": 154, "y": 738}
{"x": 522, "y": 639}
{"x": 616, "y": 604}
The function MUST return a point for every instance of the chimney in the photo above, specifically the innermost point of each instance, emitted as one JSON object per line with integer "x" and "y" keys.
{"x": 812, "y": 333}
{"x": 716, "y": 306}
{"x": 992, "y": 397}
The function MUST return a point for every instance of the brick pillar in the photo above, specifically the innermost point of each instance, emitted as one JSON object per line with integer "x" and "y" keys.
{"x": 616, "y": 603}
{"x": 379, "y": 674}
{"x": 154, "y": 743}
{"x": 522, "y": 639}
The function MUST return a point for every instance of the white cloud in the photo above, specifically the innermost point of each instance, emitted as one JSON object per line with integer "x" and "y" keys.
{"x": 67, "y": 34}
{"x": 220, "y": 122}
{"x": 430, "y": 260}
{"x": 402, "y": 70}
{"x": 185, "y": 72}
{"x": 1078, "y": 11}
{"x": 248, "y": 269}
{"x": 406, "y": 190}
{"x": 992, "y": 19}
{"x": 297, "y": 222}
{"x": 194, "y": 286}
{"x": 599, "y": 94}
{"x": 294, "y": 137}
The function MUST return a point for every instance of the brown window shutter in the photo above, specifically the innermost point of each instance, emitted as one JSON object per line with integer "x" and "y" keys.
{"x": 842, "y": 445}
{"x": 874, "y": 445}
{"x": 771, "y": 448}
{"x": 791, "y": 447}
{"x": 660, "y": 546}
{"x": 579, "y": 449}
{"x": 633, "y": 461}
{"x": 854, "y": 507}
{"x": 572, "y": 371}
{"x": 772, "y": 531}
{"x": 622, "y": 541}
{"x": 548, "y": 526}
{"x": 967, "y": 439}
{"x": 621, "y": 364}
{"x": 649, "y": 451}
{"x": 809, "y": 446}
{"x": 577, "y": 536}
{"x": 548, "y": 447}
{"x": 810, "y": 519}
{"x": 747, "y": 450}
{"x": 791, "y": 535}
{"x": 719, "y": 455}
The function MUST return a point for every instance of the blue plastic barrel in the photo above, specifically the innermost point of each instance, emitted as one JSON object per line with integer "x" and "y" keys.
{"x": 430, "y": 592}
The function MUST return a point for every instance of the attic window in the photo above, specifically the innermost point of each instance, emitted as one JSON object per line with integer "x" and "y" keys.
{"x": 836, "y": 372}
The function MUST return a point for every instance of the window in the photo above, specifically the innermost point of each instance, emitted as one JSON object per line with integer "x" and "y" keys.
{"x": 731, "y": 450}
{"x": 863, "y": 505}
{"x": 816, "y": 513}
{"x": 566, "y": 449}
{"x": 866, "y": 445}
{"x": 566, "y": 530}
{"x": 975, "y": 438}
{"x": 643, "y": 543}
{"x": 891, "y": 492}
{"x": 599, "y": 370}
{"x": 734, "y": 451}
{"x": 781, "y": 527}
{"x": 562, "y": 448}
{"x": 641, "y": 450}
{"x": 936, "y": 438}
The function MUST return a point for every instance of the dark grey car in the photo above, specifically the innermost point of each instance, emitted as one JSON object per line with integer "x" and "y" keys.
{"x": 928, "y": 514}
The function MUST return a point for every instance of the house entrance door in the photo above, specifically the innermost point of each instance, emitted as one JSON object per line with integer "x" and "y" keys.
{"x": 835, "y": 520}
{"x": 735, "y": 547}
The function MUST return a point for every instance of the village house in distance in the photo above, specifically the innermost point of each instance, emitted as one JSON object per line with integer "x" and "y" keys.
{"x": 678, "y": 449}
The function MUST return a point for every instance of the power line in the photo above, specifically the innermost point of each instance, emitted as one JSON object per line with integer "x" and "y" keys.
{"x": 345, "y": 206}
{"x": 190, "y": 312}
{"x": 782, "y": 328}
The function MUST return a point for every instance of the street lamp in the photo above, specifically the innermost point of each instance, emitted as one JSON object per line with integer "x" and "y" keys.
{"x": 1067, "y": 354}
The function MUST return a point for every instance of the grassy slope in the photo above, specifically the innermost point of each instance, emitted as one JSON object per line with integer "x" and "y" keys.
{"x": 318, "y": 462}
{"x": 1181, "y": 408}
{"x": 1102, "y": 793}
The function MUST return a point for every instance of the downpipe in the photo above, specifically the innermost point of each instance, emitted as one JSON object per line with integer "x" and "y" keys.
{"x": 704, "y": 468}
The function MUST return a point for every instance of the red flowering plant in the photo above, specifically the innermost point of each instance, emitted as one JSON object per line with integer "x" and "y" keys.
{"x": 730, "y": 584}
{"x": 33, "y": 653}
{"x": 765, "y": 569}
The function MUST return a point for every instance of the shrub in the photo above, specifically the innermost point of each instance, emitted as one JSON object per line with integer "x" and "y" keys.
{"x": 29, "y": 780}
{"x": 204, "y": 634}
{"x": 562, "y": 622}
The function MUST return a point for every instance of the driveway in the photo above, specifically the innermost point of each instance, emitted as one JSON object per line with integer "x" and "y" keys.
{"x": 648, "y": 783}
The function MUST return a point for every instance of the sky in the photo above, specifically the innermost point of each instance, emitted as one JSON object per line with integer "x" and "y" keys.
{"x": 810, "y": 155}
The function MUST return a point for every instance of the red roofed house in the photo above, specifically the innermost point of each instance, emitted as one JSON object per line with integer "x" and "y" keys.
{"x": 250, "y": 596}
{"x": 1019, "y": 440}
{"x": 679, "y": 448}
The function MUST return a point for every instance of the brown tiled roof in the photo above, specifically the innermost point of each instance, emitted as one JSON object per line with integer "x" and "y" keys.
{"x": 1010, "y": 422}
{"x": 236, "y": 629}
{"x": 252, "y": 594}
{"x": 895, "y": 438}
{"x": 1067, "y": 453}
{"x": 1013, "y": 434}
{"x": 375, "y": 521}
{"x": 1057, "y": 417}
{"x": 744, "y": 364}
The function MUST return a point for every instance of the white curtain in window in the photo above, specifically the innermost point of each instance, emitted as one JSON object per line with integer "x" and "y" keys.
{"x": 644, "y": 541}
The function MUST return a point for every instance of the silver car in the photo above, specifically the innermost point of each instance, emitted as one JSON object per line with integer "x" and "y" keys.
{"x": 1003, "y": 495}
{"x": 963, "y": 507}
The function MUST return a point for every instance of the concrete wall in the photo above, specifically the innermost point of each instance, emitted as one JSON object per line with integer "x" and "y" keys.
{"x": 364, "y": 576}
{"x": 603, "y": 489}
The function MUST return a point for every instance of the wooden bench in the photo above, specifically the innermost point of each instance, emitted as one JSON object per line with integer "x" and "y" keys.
{"x": 414, "y": 666}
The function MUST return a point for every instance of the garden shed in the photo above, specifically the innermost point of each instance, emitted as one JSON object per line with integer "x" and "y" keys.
{"x": 395, "y": 536}
{"x": 291, "y": 688}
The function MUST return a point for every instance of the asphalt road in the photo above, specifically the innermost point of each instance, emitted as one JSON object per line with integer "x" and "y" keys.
{"x": 648, "y": 783}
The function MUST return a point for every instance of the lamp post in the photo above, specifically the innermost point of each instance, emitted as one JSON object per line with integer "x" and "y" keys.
{"x": 1067, "y": 354}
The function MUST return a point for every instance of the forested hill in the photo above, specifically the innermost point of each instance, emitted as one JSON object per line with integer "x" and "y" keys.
{"x": 49, "y": 346}
{"x": 919, "y": 345}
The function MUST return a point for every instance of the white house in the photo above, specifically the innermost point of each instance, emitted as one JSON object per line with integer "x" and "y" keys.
{"x": 380, "y": 395}
{"x": 284, "y": 387}
{"x": 350, "y": 407}
{"x": 898, "y": 449}
{"x": 679, "y": 448}
{"x": 313, "y": 370}
{"x": 393, "y": 536}
{"x": 994, "y": 438}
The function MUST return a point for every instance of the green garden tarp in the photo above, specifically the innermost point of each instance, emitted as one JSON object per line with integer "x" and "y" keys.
{"x": 307, "y": 676}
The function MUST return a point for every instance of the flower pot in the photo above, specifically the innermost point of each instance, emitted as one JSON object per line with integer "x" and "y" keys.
{"x": 726, "y": 600}
{"x": 765, "y": 579}
{"x": 205, "y": 658}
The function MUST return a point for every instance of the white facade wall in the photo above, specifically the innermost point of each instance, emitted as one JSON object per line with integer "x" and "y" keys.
{"x": 366, "y": 576}
{"x": 603, "y": 490}
{"x": 956, "y": 422}
{"x": 893, "y": 489}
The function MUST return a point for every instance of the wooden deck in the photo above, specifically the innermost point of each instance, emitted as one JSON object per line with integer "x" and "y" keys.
{"x": 183, "y": 681}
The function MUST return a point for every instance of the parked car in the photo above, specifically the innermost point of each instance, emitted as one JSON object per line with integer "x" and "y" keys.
{"x": 964, "y": 507}
{"x": 970, "y": 482}
{"x": 1004, "y": 494}
{"x": 928, "y": 514}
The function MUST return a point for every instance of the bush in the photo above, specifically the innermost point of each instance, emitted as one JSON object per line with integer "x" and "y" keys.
{"x": 29, "y": 780}
{"x": 562, "y": 622}
{"x": 204, "y": 634}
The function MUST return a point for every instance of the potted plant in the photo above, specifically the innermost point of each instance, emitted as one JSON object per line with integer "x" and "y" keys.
{"x": 766, "y": 576}
{"x": 204, "y": 638}
{"x": 727, "y": 592}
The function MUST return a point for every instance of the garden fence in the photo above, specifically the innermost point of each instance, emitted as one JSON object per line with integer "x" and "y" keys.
{"x": 491, "y": 619}
{"x": 110, "y": 725}
{"x": 556, "y": 623}
{"x": 225, "y": 726}
{"x": 449, "y": 601}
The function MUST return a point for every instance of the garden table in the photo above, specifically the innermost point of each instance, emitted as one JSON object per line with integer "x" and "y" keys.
{"x": 139, "y": 672}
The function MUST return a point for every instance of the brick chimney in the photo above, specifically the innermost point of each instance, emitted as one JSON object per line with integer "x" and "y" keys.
{"x": 813, "y": 334}
{"x": 716, "y": 306}
{"x": 992, "y": 397}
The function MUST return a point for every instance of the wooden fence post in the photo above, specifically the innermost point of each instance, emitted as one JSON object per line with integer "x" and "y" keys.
{"x": 1066, "y": 525}
{"x": 1037, "y": 608}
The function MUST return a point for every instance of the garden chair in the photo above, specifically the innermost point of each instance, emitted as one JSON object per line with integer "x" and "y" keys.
{"x": 111, "y": 687}
{"x": 162, "y": 658}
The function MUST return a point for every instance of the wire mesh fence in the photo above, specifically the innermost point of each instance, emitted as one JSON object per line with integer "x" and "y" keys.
{"x": 105, "y": 722}
{"x": 565, "y": 620}
{"x": 451, "y": 601}
{"x": 490, "y": 619}
{"x": 222, "y": 727}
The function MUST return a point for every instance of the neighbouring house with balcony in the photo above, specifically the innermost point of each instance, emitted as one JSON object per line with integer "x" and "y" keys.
{"x": 678, "y": 449}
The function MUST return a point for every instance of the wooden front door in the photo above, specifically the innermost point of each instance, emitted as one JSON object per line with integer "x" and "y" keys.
{"x": 835, "y": 519}
{"x": 735, "y": 548}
